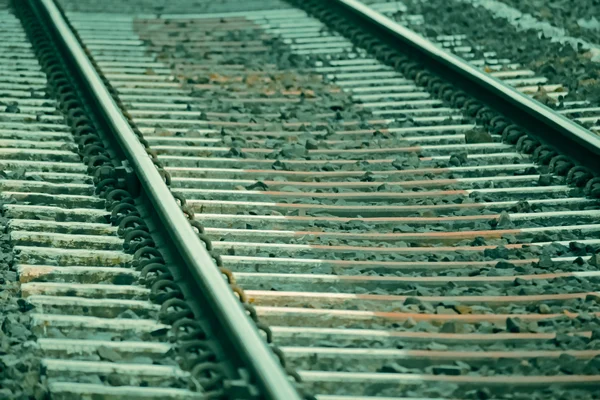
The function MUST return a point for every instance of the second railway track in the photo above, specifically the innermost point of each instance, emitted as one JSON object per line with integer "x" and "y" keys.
{"x": 396, "y": 246}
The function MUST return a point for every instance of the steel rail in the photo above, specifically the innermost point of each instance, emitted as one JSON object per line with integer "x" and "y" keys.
{"x": 270, "y": 377}
{"x": 550, "y": 126}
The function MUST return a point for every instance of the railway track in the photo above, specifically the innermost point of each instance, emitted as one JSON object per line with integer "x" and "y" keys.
{"x": 391, "y": 236}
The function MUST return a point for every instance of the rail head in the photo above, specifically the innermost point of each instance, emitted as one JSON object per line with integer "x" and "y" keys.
{"x": 550, "y": 126}
{"x": 268, "y": 374}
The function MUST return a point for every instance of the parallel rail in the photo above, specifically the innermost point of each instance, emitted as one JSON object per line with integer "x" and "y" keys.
{"x": 553, "y": 127}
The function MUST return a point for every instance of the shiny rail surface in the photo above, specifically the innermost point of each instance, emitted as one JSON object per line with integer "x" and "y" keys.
{"x": 395, "y": 244}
